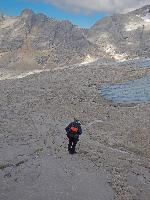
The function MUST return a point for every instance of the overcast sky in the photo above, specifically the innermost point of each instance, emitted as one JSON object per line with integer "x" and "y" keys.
{"x": 110, "y": 6}
{"x": 83, "y": 13}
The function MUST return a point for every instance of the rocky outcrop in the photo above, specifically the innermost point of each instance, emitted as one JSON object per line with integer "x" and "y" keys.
{"x": 34, "y": 40}
{"x": 123, "y": 35}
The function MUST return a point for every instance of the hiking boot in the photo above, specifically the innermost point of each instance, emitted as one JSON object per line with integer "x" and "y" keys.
{"x": 69, "y": 148}
{"x": 72, "y": 151}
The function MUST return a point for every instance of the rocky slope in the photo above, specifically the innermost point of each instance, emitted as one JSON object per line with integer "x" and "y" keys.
{"x": 124, "y": 35}
{"x": 31, "y": 40}
{"x": 113, "y": 159}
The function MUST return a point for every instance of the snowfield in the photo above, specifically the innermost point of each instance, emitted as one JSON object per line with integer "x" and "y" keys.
{"x": 146, "y": 18}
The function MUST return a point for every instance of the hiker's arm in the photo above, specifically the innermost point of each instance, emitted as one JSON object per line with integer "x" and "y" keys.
{"x": 80, "y": 130}
{"x": 68, "y": 128}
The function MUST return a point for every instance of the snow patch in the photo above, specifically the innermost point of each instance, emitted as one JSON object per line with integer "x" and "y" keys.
{"x": 120, "y": 57}
{"x": 146, "y": 18}
{"x": 132, "y": 27}
{"x": 111, "y": 50}
{"x": 28, "y": 73}
{"x": 12, "y": 75}
{"x": 88, "y": 59}
{"x": 135, "y": 25}
{"x": 4, "y": 75}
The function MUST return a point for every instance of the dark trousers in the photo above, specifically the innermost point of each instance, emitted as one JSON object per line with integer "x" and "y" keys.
{"x": 72, "y": 143}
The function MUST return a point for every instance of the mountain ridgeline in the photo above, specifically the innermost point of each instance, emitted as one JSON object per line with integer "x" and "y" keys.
{"x": 123, "y": 36}
{"x": 32, "y": 40}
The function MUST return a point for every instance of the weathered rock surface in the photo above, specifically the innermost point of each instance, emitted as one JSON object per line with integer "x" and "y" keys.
{"x": 31, "y": 40}
{"x": 124, "y": 36}
{"x": 113, "y": 152}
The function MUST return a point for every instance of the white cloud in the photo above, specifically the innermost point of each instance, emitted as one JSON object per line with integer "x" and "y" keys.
{"x": 109, "y": 6}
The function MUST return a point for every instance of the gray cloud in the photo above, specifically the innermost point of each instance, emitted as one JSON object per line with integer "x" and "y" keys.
{"x": 109, "y": 6}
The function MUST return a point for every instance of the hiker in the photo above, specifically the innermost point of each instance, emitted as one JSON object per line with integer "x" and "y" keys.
{"x": 73, "y": 131}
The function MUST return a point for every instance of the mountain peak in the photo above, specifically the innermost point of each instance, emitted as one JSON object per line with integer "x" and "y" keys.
{"x": 142, "y": 11}
{"x": 27, "y": 12}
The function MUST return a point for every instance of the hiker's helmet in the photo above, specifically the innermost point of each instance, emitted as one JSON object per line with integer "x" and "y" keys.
{"x": 77, "y": 121}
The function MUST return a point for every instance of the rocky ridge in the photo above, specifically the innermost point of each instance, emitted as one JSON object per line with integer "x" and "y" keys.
{"x": 34, "y": 40}
{"x": 124, "y": 36}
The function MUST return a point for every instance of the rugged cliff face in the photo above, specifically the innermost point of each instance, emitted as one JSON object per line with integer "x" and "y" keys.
{"x": 34, "y": 40}
{"x": 123, "y": 35}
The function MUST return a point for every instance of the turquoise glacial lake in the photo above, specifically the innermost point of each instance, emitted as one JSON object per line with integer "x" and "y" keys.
{"x": 136, "y": 91}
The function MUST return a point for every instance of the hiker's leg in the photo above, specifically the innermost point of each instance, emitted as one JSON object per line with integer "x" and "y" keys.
{"x": 70, "y": 144}
{"x": 74, "y": 145}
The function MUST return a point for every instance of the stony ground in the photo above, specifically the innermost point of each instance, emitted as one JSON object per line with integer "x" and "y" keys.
{"x": 113, "y": 159}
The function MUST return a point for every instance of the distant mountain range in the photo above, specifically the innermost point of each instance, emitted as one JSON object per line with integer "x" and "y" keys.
{"x": 36, "y": 41}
